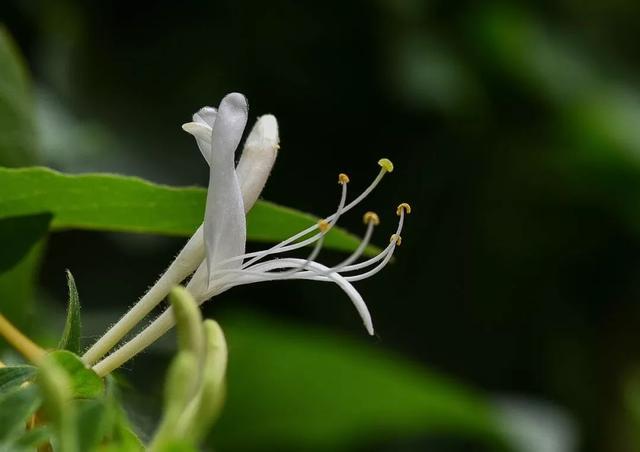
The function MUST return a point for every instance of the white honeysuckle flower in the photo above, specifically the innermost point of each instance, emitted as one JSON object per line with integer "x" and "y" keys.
{"x": 258, "y": 157}
{"x": 225, "y": 264}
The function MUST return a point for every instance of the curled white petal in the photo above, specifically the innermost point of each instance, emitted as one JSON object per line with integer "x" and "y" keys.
{"x": 200, "y": 128}
{"x": 242, "y": 277}
{"x": 206, "y": 115}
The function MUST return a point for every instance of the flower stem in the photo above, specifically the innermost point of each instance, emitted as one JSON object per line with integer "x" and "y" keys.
{"x": 25, "y": 346}
{"x": 147, "y": 337}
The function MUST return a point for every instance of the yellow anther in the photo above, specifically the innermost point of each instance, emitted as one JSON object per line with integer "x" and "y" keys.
{"x": 403, "y": 207}
{"x": 386, "y": 165}
{"x": 371, "y": 217}
{"x": 343, "y": 178}
{"x": 323, "y": 225}
{"x": 396, "y": 238}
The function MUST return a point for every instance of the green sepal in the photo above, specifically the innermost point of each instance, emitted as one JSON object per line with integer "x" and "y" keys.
{"x": 70, "y": 339}
{"x": 85, "y": 383}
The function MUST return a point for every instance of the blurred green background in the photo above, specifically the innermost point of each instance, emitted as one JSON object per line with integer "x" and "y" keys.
{"x": 515, "y": 131}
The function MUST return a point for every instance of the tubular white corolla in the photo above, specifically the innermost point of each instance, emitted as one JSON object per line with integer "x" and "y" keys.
{"x": 217, "y": 250}
{"x": 257, "y": 159}
{"x": 276, "y": 269}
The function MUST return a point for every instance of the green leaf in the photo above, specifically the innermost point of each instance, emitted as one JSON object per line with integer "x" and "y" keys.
{"x": 15, "y": 408}
{"x": 299, "y": 389}
{"x": 71, "y": 335}
{"x": 14, "y": 376}
{"x": 86, "y": 383}
{"x": 17, "y": 290}
{"x": 18, "y": 235}
{"x": 109, "y": 202}
{"x": 120, "y": 436}
{"x": 92, "y": 422}
{"x": 17, "y": 124}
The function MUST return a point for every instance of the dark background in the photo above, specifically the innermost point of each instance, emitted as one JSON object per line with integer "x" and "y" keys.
{"x": 513, "y": 128}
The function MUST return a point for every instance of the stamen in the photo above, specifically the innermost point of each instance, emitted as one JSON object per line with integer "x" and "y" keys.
{"x": 385, "y": 256}
{"x": 403, "y": 207}
{"x": 371, "y": 217}
{"x": 323, "y": 225}
{"x": 382, "y": 254}
{"x": 386, "y": 164}
{"x": 282, "y": 246}
{"x": 371, "y": 220}
{"x": 395, "y": 240}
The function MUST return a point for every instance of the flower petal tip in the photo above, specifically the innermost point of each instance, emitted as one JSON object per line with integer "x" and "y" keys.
{"x": 235, "y": 101}
{"x": 264, "y": 135}
{"x": 198, "y": 130}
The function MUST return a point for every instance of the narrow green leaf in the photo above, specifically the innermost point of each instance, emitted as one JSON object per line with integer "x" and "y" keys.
{"x": 15, "y": 408}
{"x": 71, "y": 335}
{"x": 13, "y": 376}
{"x": 17, "y": 124}
{"x": 293, "y": 388}
{"x": 18, "y": 235}
{"x": 85, "y": 382}
{"x": 109, "y": 202}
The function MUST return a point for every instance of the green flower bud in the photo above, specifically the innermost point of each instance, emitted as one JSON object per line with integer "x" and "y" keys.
{"x": 188, "y": 320}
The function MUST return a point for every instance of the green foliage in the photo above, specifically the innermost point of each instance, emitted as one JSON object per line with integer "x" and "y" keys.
{"x": 93, "y": 423}
{"x": 15, "y": 408}
{"x": 31, "y": 439}
{"x": 14, "y": 376}
{"x": 70, "y": 339}
{"x": 56, "y": 388}
{"x": 18, "y": 235}
{"x": 17, "y": 286}
{"x": 17, "y": 127}
{"x": 110, "y": 202}
{"x": 85, "y": 383}
{"x": 298, "y": 389}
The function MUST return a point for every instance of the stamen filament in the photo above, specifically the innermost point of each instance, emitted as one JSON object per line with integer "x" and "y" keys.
{"x": 324, "y": 226}
{"x": 358, "y": 252}
{"x": 282, "y": 246}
